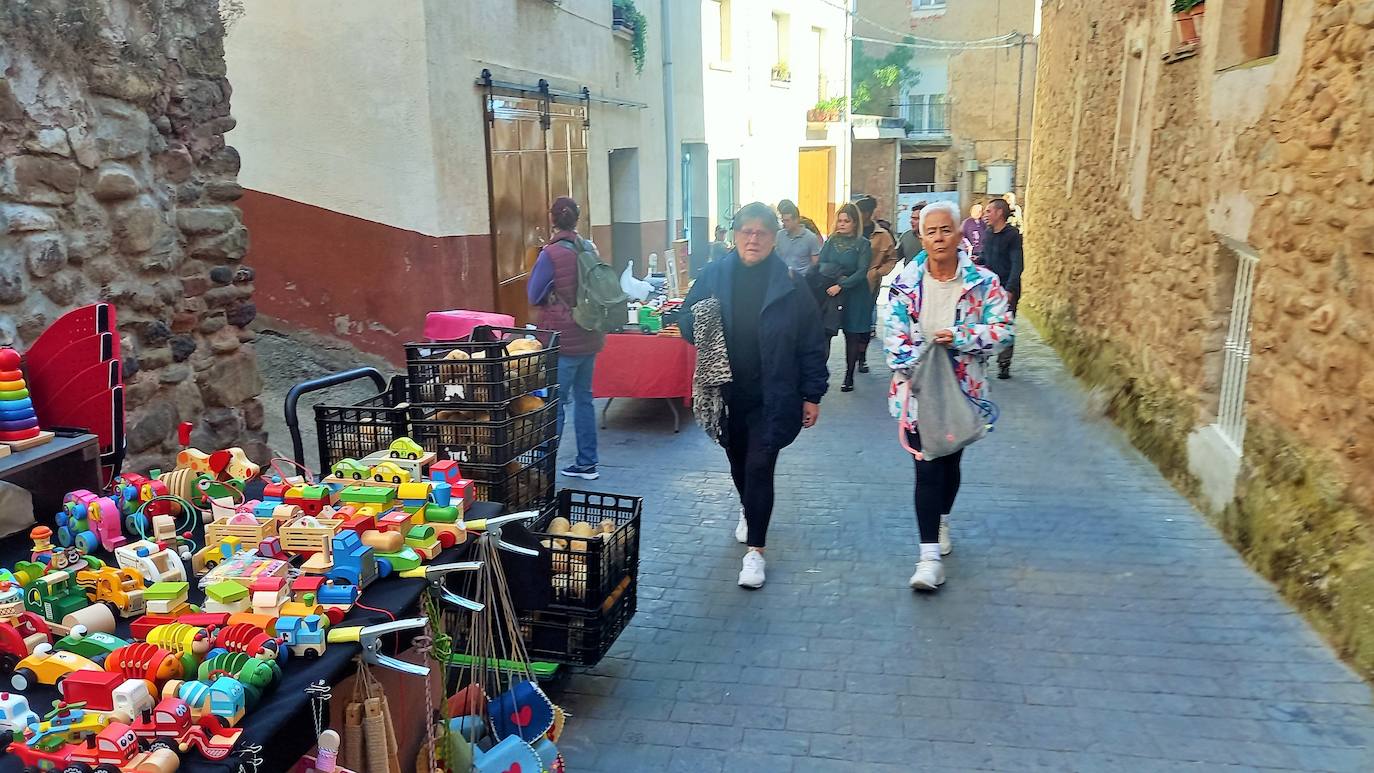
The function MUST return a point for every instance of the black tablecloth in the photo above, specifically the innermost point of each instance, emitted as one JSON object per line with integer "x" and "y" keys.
{"x": 281, "y": 723}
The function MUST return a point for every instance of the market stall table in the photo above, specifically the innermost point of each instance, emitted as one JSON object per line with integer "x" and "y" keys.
{"x": 281, "y": 723}
{"x": 49, "y": 471}
{"x": 647, "y": 367}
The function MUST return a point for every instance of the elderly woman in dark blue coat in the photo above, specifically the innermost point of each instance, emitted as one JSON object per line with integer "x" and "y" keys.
{"x": 776, "y": 349}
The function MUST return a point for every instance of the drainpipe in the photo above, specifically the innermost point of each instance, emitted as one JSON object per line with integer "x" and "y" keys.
{"x": 671, "y": 158}
{"x": 1016, "y": 151}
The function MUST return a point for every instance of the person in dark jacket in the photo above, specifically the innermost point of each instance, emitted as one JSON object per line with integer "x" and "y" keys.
{"x": 846, "y": 256}
{"x": 552, "y": 288}
{"x": 777, "y": 362}
{"x": 1002, "y": 254}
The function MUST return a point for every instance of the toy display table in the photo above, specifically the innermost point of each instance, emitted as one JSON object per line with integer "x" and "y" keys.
{"x": 646, "y": 367}
{"x": 51, "y": 470}
{"x": 282, "y": 722}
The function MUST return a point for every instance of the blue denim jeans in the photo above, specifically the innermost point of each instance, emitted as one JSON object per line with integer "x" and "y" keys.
{"x": 575, "y": 392}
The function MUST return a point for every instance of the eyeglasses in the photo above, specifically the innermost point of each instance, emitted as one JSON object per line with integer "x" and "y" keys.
{"x": 750, "y": 234}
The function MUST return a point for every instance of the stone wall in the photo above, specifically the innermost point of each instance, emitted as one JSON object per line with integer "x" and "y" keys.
{"x": 1150, "y": 178}
{"x": 116, "y": 184}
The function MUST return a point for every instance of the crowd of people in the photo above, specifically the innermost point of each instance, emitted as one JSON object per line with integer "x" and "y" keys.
{"x": 763, "y": 313}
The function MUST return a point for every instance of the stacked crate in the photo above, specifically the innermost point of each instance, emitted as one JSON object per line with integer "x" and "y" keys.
{"x": 473, "y": 401}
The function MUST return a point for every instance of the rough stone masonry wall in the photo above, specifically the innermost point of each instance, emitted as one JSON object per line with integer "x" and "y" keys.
{"x": 116, "y": 184}
{"x": 1138, "y": 302}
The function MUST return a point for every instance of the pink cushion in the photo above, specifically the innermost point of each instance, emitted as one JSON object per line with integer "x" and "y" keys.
{"x": 451, "y": 325}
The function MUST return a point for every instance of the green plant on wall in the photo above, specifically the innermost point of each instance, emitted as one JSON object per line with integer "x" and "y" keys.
{"x": 1184, "y": 6}
{"x": 877, "y": 79}
{"x": 639, "y": 27}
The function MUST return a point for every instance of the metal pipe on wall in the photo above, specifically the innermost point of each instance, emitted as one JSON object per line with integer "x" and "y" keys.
{"x": 670, "y": 157}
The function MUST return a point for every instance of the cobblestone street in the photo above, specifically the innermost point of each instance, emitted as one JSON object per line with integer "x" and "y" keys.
{"x": 1093, "y": 621}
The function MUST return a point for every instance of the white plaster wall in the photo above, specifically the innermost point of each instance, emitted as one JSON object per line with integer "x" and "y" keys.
{"x": 763, "y": 125}
{"x": 371, "y": 109}
{"x": 333, "y": 107}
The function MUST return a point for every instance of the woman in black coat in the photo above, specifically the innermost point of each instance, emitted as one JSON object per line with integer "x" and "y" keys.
{"x": 777, "y": 362}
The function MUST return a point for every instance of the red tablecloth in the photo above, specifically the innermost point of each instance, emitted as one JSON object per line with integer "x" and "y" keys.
{"x": 637, "y": 365}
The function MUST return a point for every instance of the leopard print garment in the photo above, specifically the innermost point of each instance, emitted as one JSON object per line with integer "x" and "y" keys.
{"x": 713, "y": 367}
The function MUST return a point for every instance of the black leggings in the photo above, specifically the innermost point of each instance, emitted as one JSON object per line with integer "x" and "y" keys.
{"x": 937, "y": 484}
{"x": 751, "y": 467}
{"x": 854, "y": 344}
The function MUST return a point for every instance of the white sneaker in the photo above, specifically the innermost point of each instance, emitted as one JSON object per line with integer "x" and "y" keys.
{"x": 742, "y": 528}
{"x": 929, "y": 575}
{"x": 751, "y": 576}
{"x": 946, "y": 547}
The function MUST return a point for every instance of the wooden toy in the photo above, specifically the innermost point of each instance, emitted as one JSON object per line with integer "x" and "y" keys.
{"x": 168, "y": 598}
{"x": 43, "y": 548}
{"x": 405, "y": 448}
{"x": 18, "y": 422}
{"x": 187, "y": 642}
{"x": 246, "y": 526}
{"x": 225, "y": 698}
{"x": 396, "y": 520}
{"x": 256, "y": 674}
{"x": 15, "y": 714}
{"x": 214, "y": 552}
{"x": 221, "y": 465}
{"x": 20, "y": 630}
{"x": 348, "y": 469}
{"x": 423, "y": 539}
{"x": 119, "y": 589}
{"x": 107, "y": 691}
{"x": 171, "y": 721}
{"x": 337, "y": 599}
{"x": 445, "y": 471}
{"x": 46, "y": 665}
{"x": 60, "y": 601}
{"x": 309, "y": 534}
{"x": 303, "y": 635}
{"x": 140, "y": 628}
{"x": 389, "y": 472}
{"x": 385, "y": 541}
{"x": 380, "y": 496}
{"x": 92, "y": 645}
{"x": 269, "y": 593}
{"x": 89, "y": 521}
{"x": 244, "y": 568}
{"x": 153, "y": 561}
{"x": 466, "y": 492}
{"x": 145, "y": 661}
{"x": 354, "y": 562}
{"x": 226, "y": 596}
{"x": 114, "y": 748}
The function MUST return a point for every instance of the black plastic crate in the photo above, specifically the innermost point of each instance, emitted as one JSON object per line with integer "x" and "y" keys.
{"x": 486, "y": 436}
{"x": 524, "y": 483}
{"x": 587, "y": 570}
{"x": 486, "y": 372}
{"x": 354, "y": 431}
{"x": 557, "y": 636}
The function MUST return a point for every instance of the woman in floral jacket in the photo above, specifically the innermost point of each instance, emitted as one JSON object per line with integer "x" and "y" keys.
{"x": 941, "y": 299}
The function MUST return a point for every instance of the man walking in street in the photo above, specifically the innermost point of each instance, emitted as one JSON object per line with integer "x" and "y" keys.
{"x": 1003, "y": 256}
{"x": 909, "y": 246}
{"x": 775, "y": 352}
{"x": 797, "y": 246}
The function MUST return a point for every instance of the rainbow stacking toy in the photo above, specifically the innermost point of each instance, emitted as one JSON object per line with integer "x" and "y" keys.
{"x": 18, "y": 423}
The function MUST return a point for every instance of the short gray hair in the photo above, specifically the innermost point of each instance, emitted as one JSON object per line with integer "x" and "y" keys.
{"x": 756, "y": 211}
{"x": 948, "y": 207}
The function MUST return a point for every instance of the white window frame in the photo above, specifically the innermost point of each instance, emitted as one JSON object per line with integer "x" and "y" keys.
{"x": 927, "y": 5}
{"x": 1236, "y": 353}
{"x": 919, "y": 105}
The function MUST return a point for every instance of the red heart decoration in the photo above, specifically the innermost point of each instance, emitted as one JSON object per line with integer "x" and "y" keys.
{"x": 521, "y": 718}
{"x": 514, "y": 767}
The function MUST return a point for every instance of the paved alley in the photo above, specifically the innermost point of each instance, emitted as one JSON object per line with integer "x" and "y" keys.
{"x": 1093, "y": 621}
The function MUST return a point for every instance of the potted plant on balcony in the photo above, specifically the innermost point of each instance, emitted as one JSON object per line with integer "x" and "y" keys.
{"x": 826, "y": 110}
{"x": 782, "y": 73}
{"x": 1188, "y": 14}
{"x": 626, "y": 17}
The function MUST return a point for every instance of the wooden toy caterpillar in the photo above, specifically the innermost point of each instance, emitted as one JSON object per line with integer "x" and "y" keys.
{"x": 185, "y": 641}
{"x": 248, "y": 639}
{"x": 145, "y": 661}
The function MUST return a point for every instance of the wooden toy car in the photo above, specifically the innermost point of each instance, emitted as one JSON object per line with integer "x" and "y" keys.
{"x": 66, "y": 723}
{"x": 153, "y": 561}
{"x": 92, "y": 645}
{"x": 109, "y": 692}
{"x": 304, "y": 635}
{"x": 48, "y": 666}
{"x": 389, "y": 472}
{"x": 58, "y": 599}
{"x": 119, "y": 589}
{"x": 405, "y": 448}
{"x": 350, "y": 469}
{"x": 113, "y": 749}
{"x": 170, "y": 725}
{"x": 20, "y": 629}
{"x": 15, "y": 714}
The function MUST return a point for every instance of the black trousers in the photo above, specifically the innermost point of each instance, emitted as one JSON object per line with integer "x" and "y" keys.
{"x": 854, "y": 345}
{"x": 751, "y": 467}
{"x": 937, "y": 484}
{"x": 1004, "y": 356}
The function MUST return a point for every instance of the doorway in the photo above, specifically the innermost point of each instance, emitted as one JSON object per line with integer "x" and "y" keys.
{"x": 727, "y": 191}
{"x": 627, "y": 239}
{"x": 814, "y": 185}
{"x": 536, "y": 151}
